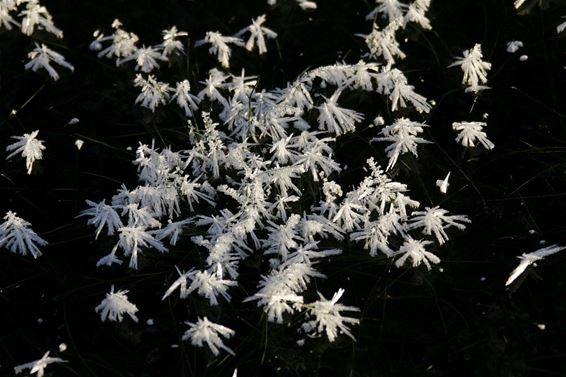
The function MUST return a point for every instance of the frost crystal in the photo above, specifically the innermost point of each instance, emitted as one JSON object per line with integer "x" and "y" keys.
{"x": 36, "y": 15}
{"x": 170, "y": 43}
{"x": 474, "y": 68}
{"x": 30, "y": 148}
{"x": 403, "y": 135}
{"x": 123, "y": 43}
{"x": 258, "y": 33}
{"x": 415, "y": 250}
{"x": 6, "y": 20}
{"x": 531, "y": 258}
{"x": 443, "y": 184}
{"x": 153, "y": 92}
{"x": 38, "y": 366}
{"x": 435, "y": 220}
{"x": 208, "y": 285}
{"x": 187, "y": 101}
{"x": 115, "y": 305}
{"x": 335, "y": 119}
{"x": 102, "y": 214}
{"x": 471, "y": 133}
{"x": 395, "y": 84}
{"x": 219, "y": 46}
{"x": 146, "y": 59}
{"x": 328, "y": 317}
{"x": 383, "y": 43}
{"x": 18, "y": 237}
{"x": 204, "y": 331}
{"x": 132, "y": 238}
{"x": 41, "y": 56}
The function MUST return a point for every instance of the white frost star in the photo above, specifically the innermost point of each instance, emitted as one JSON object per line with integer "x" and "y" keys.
{"x": 30, "y": 148}
{"x": 474, "y": 68}
{"x": 258, "y": 33}
{"x": 41, "y": 56}
{"x": 115, "y": 305}
{"x": 208, "y": 332}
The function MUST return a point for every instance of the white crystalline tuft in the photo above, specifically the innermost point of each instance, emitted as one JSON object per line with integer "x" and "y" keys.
{"x": 416, "y": 252}
{"x": 17, "y": 236}
{"x": 42, "y": 56}
{"x": 30, "y": 148}
{"x": 6, "y": 19}
{"x": 204, "y": 331}
{"x": 435, "y": 220}
{"x": 337, "y": 120}
{"x": 474, "y": 68}
{"x": 146, "y": 59}
{"x": 185, "y": 99}
{"x": 258, "y": 34}
{"x": 403, "y": 137}
{"x": 171, "y": 44}
{"x": 383, "y": 43}
{"x": 470, "y": 133}
{"x": 102, "y": 215}
{"x": 219, "y": 46}
{"x": 327, "y": 317}
{"x": 153, "y": 93}
{"x": 37, "y": 16}
{"x": 115, "y": 305}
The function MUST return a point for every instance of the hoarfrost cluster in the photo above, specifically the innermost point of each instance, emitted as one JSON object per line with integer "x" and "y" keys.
{"x": 238, "y": 188}
{"x": 35, "y": 18}
{"x": 474, "y": 69}
{"x": 183, "y": 189}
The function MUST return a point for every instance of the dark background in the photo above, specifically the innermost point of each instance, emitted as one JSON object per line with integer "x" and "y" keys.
{"x": 456, "y": 320}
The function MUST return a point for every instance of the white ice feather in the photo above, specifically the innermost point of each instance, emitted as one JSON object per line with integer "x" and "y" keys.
{"x": 528, "y": 259}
